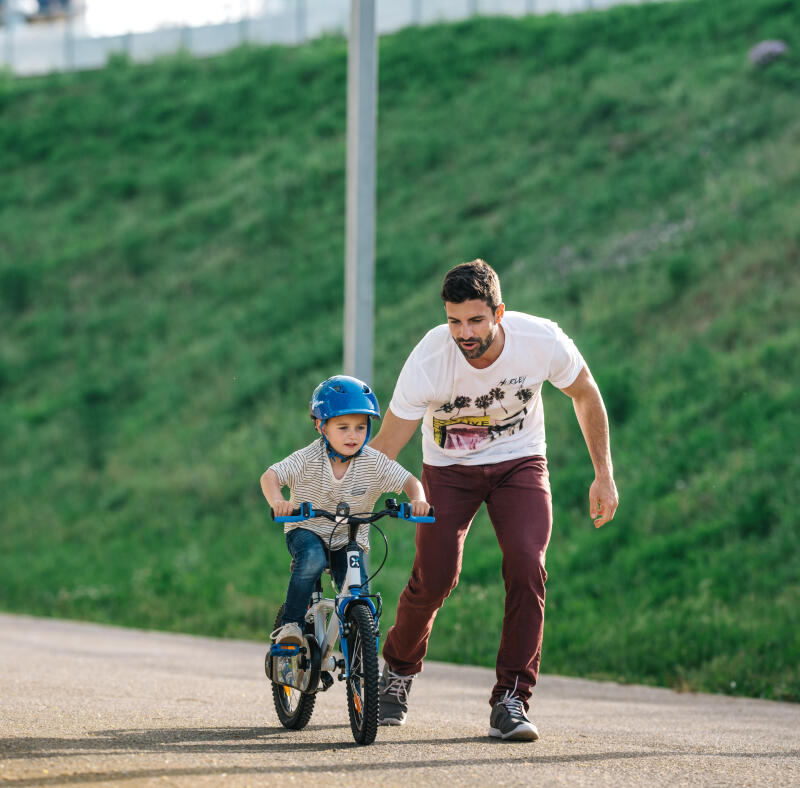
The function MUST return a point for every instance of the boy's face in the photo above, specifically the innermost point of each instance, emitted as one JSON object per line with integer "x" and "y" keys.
{"x": 345, "y": 433}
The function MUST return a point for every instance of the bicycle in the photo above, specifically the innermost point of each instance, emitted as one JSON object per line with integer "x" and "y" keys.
{"x": 298, "y": 673}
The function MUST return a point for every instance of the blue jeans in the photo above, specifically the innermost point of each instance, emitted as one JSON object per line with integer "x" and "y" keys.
{"x": 309, "y": 559}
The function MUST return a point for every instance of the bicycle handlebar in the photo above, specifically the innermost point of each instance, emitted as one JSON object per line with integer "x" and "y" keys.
{"x": 400, "y": 511}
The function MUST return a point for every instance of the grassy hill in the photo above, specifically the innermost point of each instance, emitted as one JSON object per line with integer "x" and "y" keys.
{"x": 171, "y": 266}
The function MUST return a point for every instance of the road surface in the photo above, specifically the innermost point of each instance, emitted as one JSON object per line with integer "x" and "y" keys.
{"x": 88, "y": 705}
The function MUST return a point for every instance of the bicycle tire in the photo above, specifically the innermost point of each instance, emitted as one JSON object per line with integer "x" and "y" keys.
{"x": 294, "y": 708}
{"x": 362, "y": 682}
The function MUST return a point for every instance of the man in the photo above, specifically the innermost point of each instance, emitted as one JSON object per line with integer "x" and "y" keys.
{"x": 476, "y": 386}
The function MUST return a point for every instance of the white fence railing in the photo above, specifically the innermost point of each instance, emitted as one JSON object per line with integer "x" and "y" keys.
{"x": 58, "y": 46}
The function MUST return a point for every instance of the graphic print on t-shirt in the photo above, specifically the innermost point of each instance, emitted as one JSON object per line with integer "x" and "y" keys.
{"x": 470, "y": 432}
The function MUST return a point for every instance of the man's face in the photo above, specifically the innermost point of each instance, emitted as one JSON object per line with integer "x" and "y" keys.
{"x": 473, "y": 325}
{"x": 346, "y": 433}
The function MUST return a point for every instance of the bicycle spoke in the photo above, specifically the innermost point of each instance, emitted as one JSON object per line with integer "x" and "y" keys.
{"x": 357, "y": 675}
{"x": 356, "y": 667}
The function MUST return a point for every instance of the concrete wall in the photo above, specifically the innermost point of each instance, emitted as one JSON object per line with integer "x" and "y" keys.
{"x": 40, "y": 49}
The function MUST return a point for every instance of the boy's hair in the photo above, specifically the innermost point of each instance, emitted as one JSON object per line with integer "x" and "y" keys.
{"x": 476, "y": 280}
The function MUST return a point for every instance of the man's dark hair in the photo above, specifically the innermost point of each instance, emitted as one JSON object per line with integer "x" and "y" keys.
{"x": 475, "y": 280}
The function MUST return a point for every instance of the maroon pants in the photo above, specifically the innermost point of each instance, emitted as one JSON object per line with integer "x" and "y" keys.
{"x": 517, "y": 496}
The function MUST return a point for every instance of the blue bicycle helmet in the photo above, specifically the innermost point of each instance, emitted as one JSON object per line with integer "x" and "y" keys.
{"x": 340, "y": 396}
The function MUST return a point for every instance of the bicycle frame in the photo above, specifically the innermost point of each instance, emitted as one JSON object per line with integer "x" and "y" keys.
{"x": 328, "y": 615}
{"x": 299, "y": 671}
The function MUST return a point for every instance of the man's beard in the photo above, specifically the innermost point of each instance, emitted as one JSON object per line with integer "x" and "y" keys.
{"x": 481, "y": 348}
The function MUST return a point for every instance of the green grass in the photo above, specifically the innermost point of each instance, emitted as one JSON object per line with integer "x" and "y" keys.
{"x": 171, "y": 272}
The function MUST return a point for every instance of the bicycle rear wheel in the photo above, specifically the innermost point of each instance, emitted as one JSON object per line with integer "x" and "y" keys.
{"x": 294, "y": 708}
{"x": 362, "y": 683}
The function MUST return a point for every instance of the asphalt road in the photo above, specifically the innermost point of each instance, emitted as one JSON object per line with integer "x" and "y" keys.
{"x": 82, "y": 704}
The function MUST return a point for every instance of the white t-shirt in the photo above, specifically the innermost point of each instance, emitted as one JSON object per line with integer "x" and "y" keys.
{"x": 478, "y": 416}
{"x": 309, "y": 476}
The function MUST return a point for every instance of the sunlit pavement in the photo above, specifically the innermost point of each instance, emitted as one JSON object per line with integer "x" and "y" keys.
{"x": 82, "y": 704}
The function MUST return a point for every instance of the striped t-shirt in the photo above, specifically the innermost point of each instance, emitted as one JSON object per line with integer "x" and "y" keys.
{"x": 309, "y": 476}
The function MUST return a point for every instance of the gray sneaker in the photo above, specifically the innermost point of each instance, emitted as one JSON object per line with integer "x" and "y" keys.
{"x": 509, "y": 720}
{"x": 393, "y": 692}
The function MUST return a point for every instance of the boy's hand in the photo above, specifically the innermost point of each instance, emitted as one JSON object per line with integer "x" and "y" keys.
{"x": 420, "y": 508}
{"x": 283, "y": 508}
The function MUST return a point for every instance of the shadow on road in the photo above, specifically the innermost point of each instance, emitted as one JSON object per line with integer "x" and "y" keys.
{"x": 207, "y": 740}
{"x": 266, "y": 740}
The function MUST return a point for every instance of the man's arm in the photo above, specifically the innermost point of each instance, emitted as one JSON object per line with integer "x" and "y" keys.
{"x": 393, "y": 434}
{"x": 591, "y": 413}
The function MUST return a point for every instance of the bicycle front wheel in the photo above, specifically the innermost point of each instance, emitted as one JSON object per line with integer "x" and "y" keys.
{"x": 362, "y": 683}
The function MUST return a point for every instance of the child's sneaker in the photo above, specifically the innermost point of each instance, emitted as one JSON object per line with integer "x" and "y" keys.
{"x": 288, "y": 633}
{"x": 393, "y": 692}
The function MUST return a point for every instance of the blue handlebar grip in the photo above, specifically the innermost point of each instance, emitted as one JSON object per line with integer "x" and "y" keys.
{"x": 304, "y": 512}
{"x": 405, "y": 513}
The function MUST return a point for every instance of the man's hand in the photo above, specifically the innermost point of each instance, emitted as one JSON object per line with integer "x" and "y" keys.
{"x": 591, "y": 413}
{"x": 283, "y": 508}
{"x": 603, "y": 501}
{"x": 420, "y": 508}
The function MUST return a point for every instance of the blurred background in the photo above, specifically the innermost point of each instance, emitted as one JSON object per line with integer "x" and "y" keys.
{"x": 171, "y": 276}
{"x": 48, "y": 35}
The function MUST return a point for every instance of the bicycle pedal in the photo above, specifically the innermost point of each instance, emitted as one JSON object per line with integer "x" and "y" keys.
{"x": 285, "y": 650}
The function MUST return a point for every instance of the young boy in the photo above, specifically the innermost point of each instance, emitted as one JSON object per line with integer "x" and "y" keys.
{"x": 336, "y": 467}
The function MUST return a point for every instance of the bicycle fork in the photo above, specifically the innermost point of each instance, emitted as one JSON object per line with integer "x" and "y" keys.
{"x": 352, "y": 591}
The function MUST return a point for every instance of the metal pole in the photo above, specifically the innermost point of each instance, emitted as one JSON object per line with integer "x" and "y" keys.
{"x": 300, "y": 20}
{"x": 244, "y": 11}
{"x": 8, "y": 18}
{"x": 416, "y": 12}
{"x": 69, "y": 43}
{"x": 359, "y": 280}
